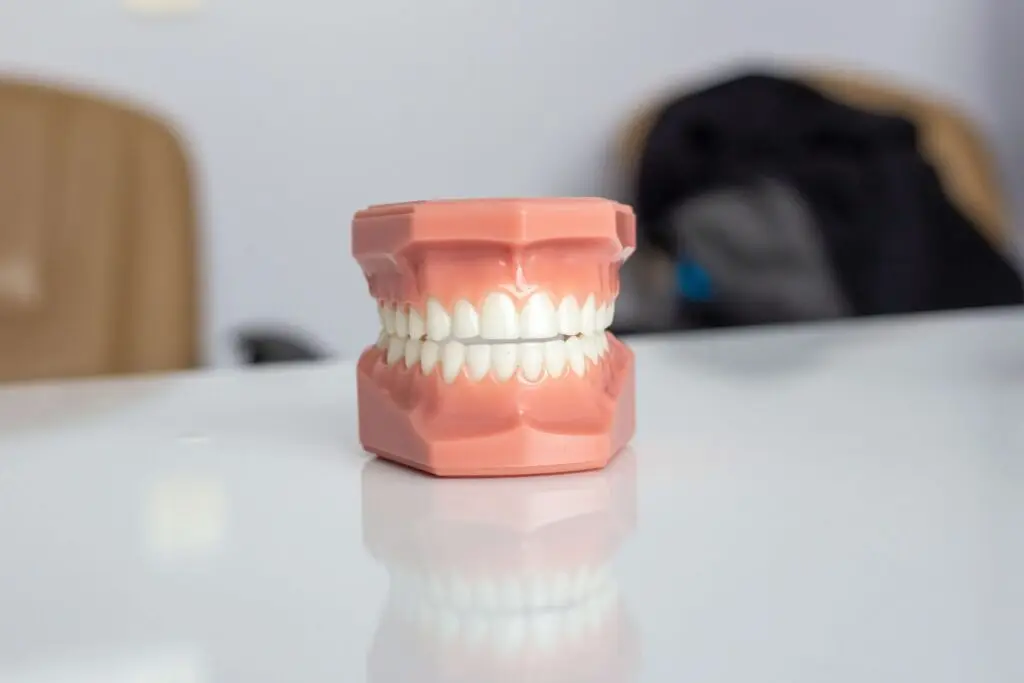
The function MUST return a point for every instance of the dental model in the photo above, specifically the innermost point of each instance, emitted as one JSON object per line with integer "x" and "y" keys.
{"x": 494, "y": 356}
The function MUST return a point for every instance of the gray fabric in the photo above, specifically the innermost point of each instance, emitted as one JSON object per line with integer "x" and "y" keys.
{"x": 647, "y": 297}
{"x": 763, "y": 253}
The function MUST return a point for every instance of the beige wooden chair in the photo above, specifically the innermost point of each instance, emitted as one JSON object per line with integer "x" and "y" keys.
{"x": 97, "y": 238}
{"x": 949, "y": 140}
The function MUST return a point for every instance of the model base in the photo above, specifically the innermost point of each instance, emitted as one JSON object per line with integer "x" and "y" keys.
{"x": 494, "y": 429}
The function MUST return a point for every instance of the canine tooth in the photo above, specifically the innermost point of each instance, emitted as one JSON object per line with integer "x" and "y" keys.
{"x": 531, "y": 360}
{"x": 591, "y": 347}
{"x": 499, "y": 319}
{"x": 588, "y": 316}
{"x": 555, "y": 357}
{"x": 611, "y": 313}
{"x": 453, "y": 355}
{"x": 539, "y": 319}
{"x": 382, "y": 340}
{"x": 600, "y": 317}
{"x": 465, "y": 321}
{"x": 417, "y": 328}
{"x": 388, "y": 313}
{"x": 504, "y": 359}
{"x": 569, "y": 316}
{"x": 396, "y": 349}
{"x": 478, "y": 361}
{"x": 439, "y": 323}
{"x": 429, "y": 355}
{"x": 574, "y": 351}
{"x": 413, "y": 349}
{"x": 602, "y": 342}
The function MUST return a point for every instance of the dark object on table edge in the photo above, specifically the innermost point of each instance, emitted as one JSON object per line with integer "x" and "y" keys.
{"x": 261, "y": 347}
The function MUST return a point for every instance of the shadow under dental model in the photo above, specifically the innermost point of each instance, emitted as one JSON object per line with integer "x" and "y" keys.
{"x": 501, "y": 579}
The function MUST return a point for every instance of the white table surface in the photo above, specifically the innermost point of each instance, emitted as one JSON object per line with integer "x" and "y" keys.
{"x": 822, "y": 504}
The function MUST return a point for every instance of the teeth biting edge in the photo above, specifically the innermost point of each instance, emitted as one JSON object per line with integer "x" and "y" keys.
{"x": 498, "y": 319}
{"x": 436, "y": 341}
{"x": 529, "y": 360}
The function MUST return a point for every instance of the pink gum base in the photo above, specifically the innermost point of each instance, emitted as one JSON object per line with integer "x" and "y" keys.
{"x": 487, "y": 428}
{"x": 471, "y": 272}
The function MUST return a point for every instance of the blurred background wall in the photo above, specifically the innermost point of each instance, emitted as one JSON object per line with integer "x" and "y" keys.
{"x": 299, "y": 112}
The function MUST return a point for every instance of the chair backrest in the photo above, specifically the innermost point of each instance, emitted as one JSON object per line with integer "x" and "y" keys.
{"x": 97, "y": 239}
{"x": 948, "y": 140}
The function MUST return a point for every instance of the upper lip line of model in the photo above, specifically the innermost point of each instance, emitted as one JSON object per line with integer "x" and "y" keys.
{"x": 498, "y": 318}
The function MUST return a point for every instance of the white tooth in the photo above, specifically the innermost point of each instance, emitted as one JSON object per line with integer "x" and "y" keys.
{"x": 554, "y": 357}
{"x": 588, "y": 316}
{"x": 478, "y": 361}
{"x": 531, "y": 360}
{"x": 448, "y": 627}
{"x": 560, "y": 589}
{"x": 465, "y": 322}
{"x": 417, "y": 328}
{"x": 462, "y": 596}
{"x": 504, "y": 358}
{"x": 436, "y": 587}
{"x": 610, "y": 316}
{"x": 429, "y": 356}
{"x": 545, "y": 631}
{"x": 401, "y": 321}
{"x": 452, "y": 356}
{"x": 396, "y": 349}
{"x": 487, "y": 594}
{"x": 380, "y": 314}
{"x": 539, "y": 319}
{"x": 413, "y": 348}
{"x": 590, "y": 349}
{"x": 569, "y": 316}
{"x": 389, "y": 318}
{"x": 474, "y": 631}
{"x": 512, "y": 637}
{"x": 439, "y": 323}
{"x": 574, "y": 350}
{"x": 382, "y": 340}
{"x": 499, "y": 319}
{"x": 537, "y": 593}
{"x": 511, "y": 594}
{"x": 602, "y": 342}
{"x": 601, "y": 318}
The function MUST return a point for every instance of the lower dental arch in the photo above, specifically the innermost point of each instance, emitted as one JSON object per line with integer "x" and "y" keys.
{"x": 495, "y": 339}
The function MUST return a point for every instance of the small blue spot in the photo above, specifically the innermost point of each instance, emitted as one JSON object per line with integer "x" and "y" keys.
{"x": 693, "y": 281}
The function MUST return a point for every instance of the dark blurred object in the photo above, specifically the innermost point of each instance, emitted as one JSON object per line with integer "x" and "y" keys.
{"x": 97, "y": 238}
{"x": 806, "y": 208}
{"x": 270, "y": 346}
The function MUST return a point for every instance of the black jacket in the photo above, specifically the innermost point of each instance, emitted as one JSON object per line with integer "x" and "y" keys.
{"x": 895, "y": 240}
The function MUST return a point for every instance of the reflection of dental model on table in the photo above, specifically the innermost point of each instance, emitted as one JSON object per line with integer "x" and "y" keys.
{"x": 500, "y": 579}
{"x": 494, "y": 357}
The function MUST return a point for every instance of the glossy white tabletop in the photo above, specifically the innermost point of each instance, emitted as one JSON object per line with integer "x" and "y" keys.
{"x": 842, "y": 503}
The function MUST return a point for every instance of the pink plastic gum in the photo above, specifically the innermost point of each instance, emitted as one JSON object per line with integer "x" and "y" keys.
{"x": 516, "y": 562}
{"x": 494, "y": 358}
